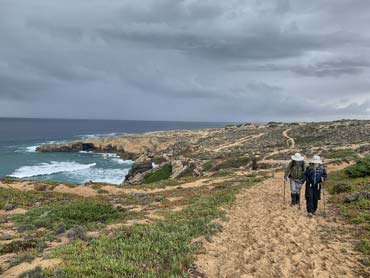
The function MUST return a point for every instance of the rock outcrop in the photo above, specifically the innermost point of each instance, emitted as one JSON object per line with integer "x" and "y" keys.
{"x": 137, "y": 172}
{"x": 185, "y": 167}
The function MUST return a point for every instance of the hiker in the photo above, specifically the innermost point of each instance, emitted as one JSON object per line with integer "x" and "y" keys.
{"x": 294, "y": 172}
{"x": 314, "y": 176}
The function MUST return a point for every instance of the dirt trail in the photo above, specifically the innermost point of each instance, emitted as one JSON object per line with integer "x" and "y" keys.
{"x": 265, "y": 238}
{"x": 290, "y": 140}
{"x": 237, "y": 142}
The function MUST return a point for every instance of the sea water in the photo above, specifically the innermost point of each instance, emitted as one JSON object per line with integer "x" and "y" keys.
{"x": 20, "y": 137}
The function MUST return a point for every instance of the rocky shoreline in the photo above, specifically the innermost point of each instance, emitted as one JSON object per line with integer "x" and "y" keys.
{"x": 176, "y": 154}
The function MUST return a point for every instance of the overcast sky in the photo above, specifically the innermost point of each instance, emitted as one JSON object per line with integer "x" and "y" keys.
{"x": 234, "y": 60}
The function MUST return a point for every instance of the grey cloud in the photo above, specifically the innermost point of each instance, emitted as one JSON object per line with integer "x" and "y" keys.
{"x": 237, "y": 60}
{"x": 332, "y": 67}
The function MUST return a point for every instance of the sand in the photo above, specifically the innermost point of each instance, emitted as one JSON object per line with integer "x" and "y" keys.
{"x": 266, "y": 238}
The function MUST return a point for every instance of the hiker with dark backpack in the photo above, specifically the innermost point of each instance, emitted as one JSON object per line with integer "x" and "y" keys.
{"x": 314, "y": 176}
{"x": 294, "y": 172}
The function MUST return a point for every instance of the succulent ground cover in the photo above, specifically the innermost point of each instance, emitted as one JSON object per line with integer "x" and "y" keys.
{"x": 150, "y": 229}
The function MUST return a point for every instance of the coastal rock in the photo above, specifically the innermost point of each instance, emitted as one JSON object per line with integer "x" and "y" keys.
{"x": 69, "y": 147}
{"x": 9, "y": 207}
{"x": 358, "y": 196}
{"x": 136, "y": 173}
{"x": 184, "y": 167}
{"x": 77, "y": 233}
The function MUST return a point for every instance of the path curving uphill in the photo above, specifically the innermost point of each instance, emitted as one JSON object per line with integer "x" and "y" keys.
{"x": 265, "y": 238}
{"x": 290, "y": 140}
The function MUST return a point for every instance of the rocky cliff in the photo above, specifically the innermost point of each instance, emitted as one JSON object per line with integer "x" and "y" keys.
{"x": 245, "y": 146}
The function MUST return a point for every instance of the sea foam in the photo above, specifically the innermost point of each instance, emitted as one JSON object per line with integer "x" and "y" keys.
{"x": 53, "y": 167}
{"x": 112, "y": 176}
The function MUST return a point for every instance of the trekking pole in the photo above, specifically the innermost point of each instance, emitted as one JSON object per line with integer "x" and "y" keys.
{"x": 299, "y": 197}
{"x": 284, "y": 190}
{"x": 323, "y": 193}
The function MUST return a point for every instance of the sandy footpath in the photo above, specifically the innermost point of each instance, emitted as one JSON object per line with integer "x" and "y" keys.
{"x": 265, "y": 238}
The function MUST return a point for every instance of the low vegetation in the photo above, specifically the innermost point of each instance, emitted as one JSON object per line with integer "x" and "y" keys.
{"x": 161, "y": 249}
{"x": 342, "y": 154}
{"x": 85, "y": 213}
{"x": 32, "y": 198}
{"x": 158, "y": 175}
{"x": 360, "y": 169}
{"x": 351, "y": 194}
{"x": 234, "y": 163}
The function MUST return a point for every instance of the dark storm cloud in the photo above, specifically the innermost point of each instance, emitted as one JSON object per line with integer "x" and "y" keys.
{"x": 235, "y": 60}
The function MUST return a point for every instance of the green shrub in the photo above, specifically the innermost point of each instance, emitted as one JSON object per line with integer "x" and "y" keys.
{"x": 364, "y": 246}
{"x": 360, "y": 169}
{"x": 28, "y": 198}
{"x": 207, "y": 166}
{"x": 340, "y": 154}
{"x": 20, "y": 246}
{"x": 34, "y": 273}
{"x": 340, "y": 187}
{"x": 8, "y": 180}
{"x": 234, "y": 163}
{"x": 20, "y": 258}
{"x": 83, "y": 213}
{"x": 158, "y": 175}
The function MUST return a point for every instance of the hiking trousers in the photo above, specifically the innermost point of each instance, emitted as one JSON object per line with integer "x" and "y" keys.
{"x": 295, "y": 187}
{"x": 312, "y": 195}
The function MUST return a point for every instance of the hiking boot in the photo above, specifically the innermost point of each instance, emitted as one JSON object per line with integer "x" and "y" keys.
{"x": 310, "y": 215}
{"x": 292, "y": 196}
{"x": 298, "y": 199}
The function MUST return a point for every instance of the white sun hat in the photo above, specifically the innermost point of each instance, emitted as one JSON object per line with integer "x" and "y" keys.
{"x": 297, "y": 157}
{"x": 316, "y": 159}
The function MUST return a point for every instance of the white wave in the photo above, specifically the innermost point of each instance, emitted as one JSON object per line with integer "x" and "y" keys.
{"x": 112, "y": 176}
{"x": 96, "y": 136}
{"x": 32, "y": 149}
{"x": 116, "y": 158}
{"x": 49, "y": 168}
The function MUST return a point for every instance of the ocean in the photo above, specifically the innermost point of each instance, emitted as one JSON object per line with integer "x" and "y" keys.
{"x": 20, "y": 137}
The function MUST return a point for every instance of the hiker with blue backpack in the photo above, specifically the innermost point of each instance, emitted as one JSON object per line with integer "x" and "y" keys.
{"x": 295, "y": 172}
{"x": 314, "y": 176}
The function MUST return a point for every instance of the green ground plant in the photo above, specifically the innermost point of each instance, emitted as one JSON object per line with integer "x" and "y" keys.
{"x": 28, "y": 198}
{"x": 233, "y": 163}
{"x": 22, "y": 246}
{"x": 86, "y": 213}
{"x": 341, "y": 154}
{"x": 347, "y": 183}
{"x": 8, "y": 180}
{"x": 161, "y": 174}
{"x": 161, "y": 249}
{"x": 207, "y": 166}
{"x": 360, "y": 169}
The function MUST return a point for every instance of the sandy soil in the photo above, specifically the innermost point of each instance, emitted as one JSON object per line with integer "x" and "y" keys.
{"x": 23, "y": 267}
{"x": 88, "y": 191}
{"x": 12, "y": 212}
{"x": 84, "y": 191}
{"x": 266, "y": 238}
{"x": 290, "y": 140}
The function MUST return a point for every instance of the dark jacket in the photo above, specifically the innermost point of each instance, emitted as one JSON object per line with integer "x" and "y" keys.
{"x": 313, "y": 176}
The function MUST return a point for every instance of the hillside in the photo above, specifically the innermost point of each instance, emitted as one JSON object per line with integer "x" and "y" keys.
{"x": 211, "y": 207}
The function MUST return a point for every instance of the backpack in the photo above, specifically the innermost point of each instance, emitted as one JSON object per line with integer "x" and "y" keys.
{"x": 294, "y": 162}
